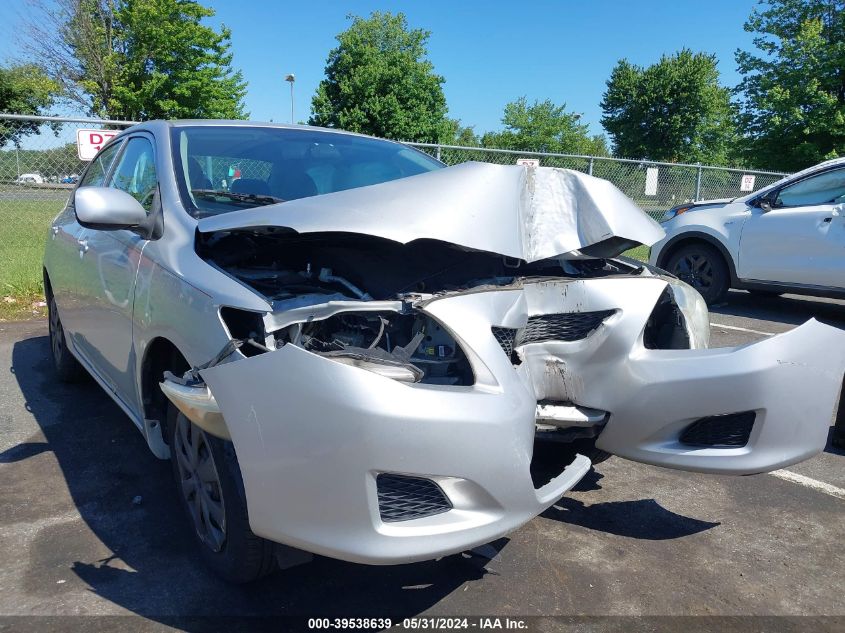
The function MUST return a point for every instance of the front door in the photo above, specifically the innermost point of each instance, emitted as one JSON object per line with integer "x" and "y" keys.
{"x": 801, "y": 240}
{"x": 104, "y": 335}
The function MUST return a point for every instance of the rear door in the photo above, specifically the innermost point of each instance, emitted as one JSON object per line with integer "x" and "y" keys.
{"x": 801, "y": 240}
{"x": 113, "y": 257}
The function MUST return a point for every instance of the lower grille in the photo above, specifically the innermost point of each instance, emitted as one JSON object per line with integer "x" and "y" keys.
{"x": 505, "y": 337}
{"x": 720, "y": 431}
{"x": 402, "y": 498}
{"x": 564, "y": 326}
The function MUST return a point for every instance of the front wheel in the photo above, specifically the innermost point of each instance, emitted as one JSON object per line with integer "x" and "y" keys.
{"x": 210, "y": 488}
{"x": 703, "y": 268}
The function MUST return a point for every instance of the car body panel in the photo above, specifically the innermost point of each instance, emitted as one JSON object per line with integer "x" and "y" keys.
{"x": 795, "y": 245}
{"x": 528, "y": 213}
{"x": 721, "y": 223}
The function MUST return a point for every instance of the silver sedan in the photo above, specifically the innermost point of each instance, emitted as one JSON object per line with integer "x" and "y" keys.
{"x": 347, "y": 348}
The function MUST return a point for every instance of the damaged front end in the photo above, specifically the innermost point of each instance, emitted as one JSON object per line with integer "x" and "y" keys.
{"x": 384, "y": 408}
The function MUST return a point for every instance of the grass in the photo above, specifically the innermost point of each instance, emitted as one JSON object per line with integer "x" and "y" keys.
{"x": 640, "y": 253}
{"x": 24, "y": 225}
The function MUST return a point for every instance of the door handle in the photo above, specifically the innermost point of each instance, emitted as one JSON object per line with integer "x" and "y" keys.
{"x": 83, "y": 247}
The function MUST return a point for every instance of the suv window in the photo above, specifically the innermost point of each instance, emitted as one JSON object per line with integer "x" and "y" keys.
{"x": 135, "y": 172}
{"x": 96, "y": 173}
{"x": 826, "y": 188}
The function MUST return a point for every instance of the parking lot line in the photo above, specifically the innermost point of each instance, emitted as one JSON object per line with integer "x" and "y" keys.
{"x": 741, "y": 329}
{"x": 809, "y": 482}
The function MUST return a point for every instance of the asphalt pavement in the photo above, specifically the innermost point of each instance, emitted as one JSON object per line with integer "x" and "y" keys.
{"x": 630, "y": 540}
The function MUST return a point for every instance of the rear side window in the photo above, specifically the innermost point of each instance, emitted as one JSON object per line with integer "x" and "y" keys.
{"x": 136, "y": 172}
{"x": 826, "y": 188}
{"x": 96, "y": 174}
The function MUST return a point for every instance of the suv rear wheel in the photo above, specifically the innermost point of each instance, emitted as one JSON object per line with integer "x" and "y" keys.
{"x": 702, "y": 267}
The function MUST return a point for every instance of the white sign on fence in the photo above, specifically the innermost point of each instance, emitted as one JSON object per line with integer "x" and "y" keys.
{"x": 528, "y": 162}
{"x": 651, "y": 181}
{"x": 89, "y": 142}
{"x": 747, "y": 183}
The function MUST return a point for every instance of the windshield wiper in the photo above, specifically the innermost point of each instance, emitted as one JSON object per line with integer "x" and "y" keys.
{"x": 255, "y": 198}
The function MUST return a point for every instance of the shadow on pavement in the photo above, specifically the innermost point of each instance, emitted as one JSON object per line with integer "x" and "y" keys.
{"x": 140, "y": 556}
{"x": 642, "y": 519}
{"x": 785, "y": 309}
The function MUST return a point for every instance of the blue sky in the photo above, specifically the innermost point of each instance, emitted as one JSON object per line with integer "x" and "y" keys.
{"x": 489, "y": 52}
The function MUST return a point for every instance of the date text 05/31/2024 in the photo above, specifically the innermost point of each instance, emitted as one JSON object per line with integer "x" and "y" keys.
{"x": 422, "y": 623}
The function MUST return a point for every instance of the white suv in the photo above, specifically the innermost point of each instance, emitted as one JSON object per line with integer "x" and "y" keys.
{"x": 787, "y": 237}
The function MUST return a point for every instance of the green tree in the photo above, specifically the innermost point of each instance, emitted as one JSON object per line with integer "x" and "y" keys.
{"x": 674, "y": 110}
{"x": 544, "y": 127}
{"x": 793, "y": 89}
{"x": 380, "y": 82}
{"x": 463, "y": 135}
{"x": 138, "y": 59}
{"x": 24, "y": 89}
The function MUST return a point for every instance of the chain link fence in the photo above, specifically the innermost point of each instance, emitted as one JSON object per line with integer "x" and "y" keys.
{"x": 654, "y": 186}
{"x": 39, "y": 166}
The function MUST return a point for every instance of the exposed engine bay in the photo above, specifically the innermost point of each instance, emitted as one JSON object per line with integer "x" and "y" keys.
{"x": 282, "y": 264}
{"x": 294, "y": 271}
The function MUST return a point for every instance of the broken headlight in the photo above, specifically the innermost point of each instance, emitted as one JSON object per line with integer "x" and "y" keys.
{"x": 409, "y": 347}
{"x": 695, "y": 313}
{"x": 680, "y": 319}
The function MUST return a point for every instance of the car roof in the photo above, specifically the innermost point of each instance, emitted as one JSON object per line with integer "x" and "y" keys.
{"x": 161, "y": 126}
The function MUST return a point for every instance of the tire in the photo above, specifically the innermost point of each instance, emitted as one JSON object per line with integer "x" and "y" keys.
{"x": 67, "y": 367}
{"x": 702, "y": 267}
{"x": 218, "y": 519}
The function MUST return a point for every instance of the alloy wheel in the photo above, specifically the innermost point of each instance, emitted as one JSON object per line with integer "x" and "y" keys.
{"x": 199, "y": 483}
{"x": 696, "y": 270}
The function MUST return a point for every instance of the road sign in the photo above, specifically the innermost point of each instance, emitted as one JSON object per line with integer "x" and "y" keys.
{"x": 89, "y": 142}
{"x": 747, "y": 183}
{"x": 528, "y": 162}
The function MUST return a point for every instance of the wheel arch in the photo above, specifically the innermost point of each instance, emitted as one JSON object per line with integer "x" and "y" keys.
{"x": 160, "y": 355}
{"x": 697, "y": 237}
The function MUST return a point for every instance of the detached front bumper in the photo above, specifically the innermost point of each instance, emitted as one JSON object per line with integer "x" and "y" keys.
{"x": 312, "y": 435}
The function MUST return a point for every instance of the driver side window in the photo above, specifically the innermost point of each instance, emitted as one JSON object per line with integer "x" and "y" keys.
{"x": 136, "y": 173}
{"x": 826, "y": 188}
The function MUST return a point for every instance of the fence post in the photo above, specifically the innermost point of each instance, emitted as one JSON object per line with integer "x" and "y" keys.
{"x": 590, "y": 168}
{"x": 698, "y": 184}
{"x": 437, "y": 153}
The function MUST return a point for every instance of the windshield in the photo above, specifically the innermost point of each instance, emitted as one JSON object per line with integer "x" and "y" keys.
{"x": 227, "y": 168}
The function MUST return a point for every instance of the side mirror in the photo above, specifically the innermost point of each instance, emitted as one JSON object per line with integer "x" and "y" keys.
{"x": 107, "y": 209}
{"x": 765, "y": 205}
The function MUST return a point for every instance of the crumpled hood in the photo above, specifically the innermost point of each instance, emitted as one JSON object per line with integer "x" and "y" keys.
{"x": 528, "y": 213}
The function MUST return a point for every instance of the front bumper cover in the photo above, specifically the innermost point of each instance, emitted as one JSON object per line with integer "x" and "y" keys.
{"x": 312, "y": 435}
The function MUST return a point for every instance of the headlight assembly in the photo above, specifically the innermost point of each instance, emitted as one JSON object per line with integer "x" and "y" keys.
{"x": 412, "y": 347}
{"x": 674, "y": 212}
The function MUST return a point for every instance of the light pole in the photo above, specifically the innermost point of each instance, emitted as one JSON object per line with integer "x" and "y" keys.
{"x": 291, "y": 78}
